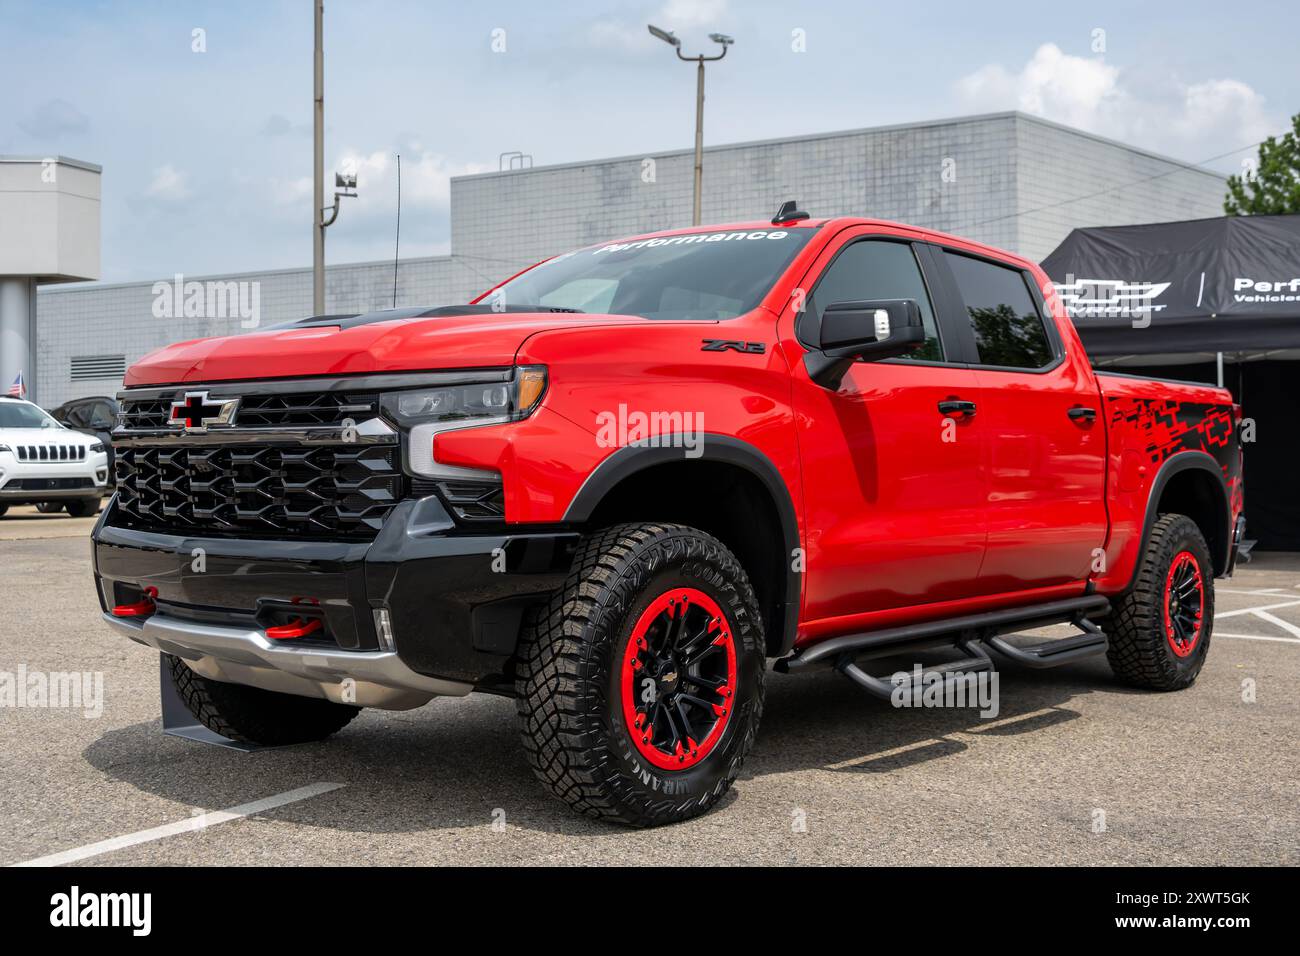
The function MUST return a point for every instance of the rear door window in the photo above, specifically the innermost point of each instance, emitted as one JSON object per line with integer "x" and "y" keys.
{"x": 1008, "y": 327}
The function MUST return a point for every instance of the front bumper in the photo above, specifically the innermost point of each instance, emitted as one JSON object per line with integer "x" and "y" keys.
{"x": 23, "y": 495}
{"x": 364, "y": 678}
{"x": 420, "y": 611}
{"x": 29, "y": 483}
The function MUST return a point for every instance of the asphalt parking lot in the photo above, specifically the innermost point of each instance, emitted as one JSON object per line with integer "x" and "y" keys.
{"x": 1075, "y": 768}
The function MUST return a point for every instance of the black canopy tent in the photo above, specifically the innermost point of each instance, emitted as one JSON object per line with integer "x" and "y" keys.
{"x": 1150, "y": 297}
{"x": 1230, "y": 284}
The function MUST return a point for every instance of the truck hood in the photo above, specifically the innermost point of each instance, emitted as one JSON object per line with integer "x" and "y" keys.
{"x": 357, "y": 346}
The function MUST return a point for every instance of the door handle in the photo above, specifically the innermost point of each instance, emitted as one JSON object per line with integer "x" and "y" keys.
{"x": 956, "y": 407}
{"x": 1079, "y": 413}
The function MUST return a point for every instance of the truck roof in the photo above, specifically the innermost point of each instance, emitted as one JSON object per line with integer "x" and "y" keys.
{"x": 839, "y": 222}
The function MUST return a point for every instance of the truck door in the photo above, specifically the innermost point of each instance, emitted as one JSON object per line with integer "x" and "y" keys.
{"x": 894, "y": 494}
{"x": 1042, "y": 415}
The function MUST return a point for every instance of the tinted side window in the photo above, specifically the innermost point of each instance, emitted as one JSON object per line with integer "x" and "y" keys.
{"x": 875, "y": 269}
{"x": 1008, "y": 329}
{"x": 102, "y": 416}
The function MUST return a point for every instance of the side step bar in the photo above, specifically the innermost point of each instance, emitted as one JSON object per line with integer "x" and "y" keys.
{"x": 983, "y": 627}
{"x": 1057, "y": 652}
{"x": 975, "y": 662}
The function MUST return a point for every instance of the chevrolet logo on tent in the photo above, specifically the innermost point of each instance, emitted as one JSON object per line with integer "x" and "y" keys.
{"x": 1109, "y": 298}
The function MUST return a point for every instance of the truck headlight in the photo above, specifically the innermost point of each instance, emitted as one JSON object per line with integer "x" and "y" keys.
{"x": 95, "y": 447}
{"x": 470, "y": 403}
{"x": 424, "y": 412}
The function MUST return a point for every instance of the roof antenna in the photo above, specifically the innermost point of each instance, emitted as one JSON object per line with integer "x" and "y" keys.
{"x": 397, "y": 244}
{"x": 789, "y": 212}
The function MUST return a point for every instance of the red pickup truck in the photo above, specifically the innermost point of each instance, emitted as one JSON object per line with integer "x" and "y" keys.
{"x": 619, "y": 482}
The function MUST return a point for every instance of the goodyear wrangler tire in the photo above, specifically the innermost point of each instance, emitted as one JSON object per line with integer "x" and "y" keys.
{"x": 1160, "y": 631}
{"x": 251, "y": 715}
{"x": 640, "y": 685}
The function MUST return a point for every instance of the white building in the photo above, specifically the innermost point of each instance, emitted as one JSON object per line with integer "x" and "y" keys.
{"x": 49, "y": 233}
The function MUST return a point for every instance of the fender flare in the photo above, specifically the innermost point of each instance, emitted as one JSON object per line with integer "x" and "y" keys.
{"x": 1175, "y": 465}
{"x": 631, "y": 459}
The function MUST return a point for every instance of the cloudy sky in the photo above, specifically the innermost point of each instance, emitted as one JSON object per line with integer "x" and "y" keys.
{"x": 207, "y": 154}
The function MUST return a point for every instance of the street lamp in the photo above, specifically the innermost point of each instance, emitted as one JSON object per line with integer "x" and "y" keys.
{"x": 723, "y": 41}
{"x": 345, "y": 187}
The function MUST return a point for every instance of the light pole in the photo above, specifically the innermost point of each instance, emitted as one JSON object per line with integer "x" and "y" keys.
{"x": 345, "y": 184}
{"x": 724, "y": 41}
{"x": 318, "y": 167}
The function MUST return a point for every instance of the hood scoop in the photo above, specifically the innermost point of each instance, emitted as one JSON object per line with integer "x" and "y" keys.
{"x": 352, "y": 321}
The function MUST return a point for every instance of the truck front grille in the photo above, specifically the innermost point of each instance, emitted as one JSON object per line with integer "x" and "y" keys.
{"x": 291, "y": 410}
{"x": 50, "y": 452}
{"x": 342, "y": 490}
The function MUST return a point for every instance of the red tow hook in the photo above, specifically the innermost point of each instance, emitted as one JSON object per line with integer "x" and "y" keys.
{"x": 141, "y": 608}
{"x": 295, "y": 628}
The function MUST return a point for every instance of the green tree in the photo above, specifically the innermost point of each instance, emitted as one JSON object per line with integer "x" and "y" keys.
{"x": 1274, "y": 189}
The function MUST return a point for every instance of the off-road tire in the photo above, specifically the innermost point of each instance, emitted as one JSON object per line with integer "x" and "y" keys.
{"x": 83, "y": 507}
{"x": 251, "y": 715}
{"x": 571, "y": 655}
{"x": 1139, "y": 652}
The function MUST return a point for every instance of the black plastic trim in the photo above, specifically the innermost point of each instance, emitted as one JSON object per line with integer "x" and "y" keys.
{"x": 1176, "y": 464}
{"x": 987, "y": 622}
{"x": 305, "y": 435}
{"x": 631, "y": 459}
{"x": 455, "y": 600}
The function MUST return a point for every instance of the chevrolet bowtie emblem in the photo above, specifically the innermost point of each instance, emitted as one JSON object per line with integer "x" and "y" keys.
{"x": 196, "y": 412}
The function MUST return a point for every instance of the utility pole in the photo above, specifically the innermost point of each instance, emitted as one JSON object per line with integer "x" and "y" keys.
{"x": 318, "y": 169}
{"x": 724, "y": 41}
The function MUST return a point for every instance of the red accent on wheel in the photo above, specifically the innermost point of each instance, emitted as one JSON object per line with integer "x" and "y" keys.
{"x": 677, "y": 679}
{"x": 1184, "y": 604}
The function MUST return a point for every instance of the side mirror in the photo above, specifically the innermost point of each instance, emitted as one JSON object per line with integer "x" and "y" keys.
{"x": 869, "y": 330}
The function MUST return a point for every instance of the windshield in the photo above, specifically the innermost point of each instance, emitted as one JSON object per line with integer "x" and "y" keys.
{"x": 705, "y": 275}
{"x": 23, "y": 415}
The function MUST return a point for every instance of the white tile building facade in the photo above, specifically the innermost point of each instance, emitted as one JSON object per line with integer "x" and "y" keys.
{"x": 1007, "y": 179}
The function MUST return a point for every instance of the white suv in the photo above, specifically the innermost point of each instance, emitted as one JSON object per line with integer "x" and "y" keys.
{"x": 44, "y": 463}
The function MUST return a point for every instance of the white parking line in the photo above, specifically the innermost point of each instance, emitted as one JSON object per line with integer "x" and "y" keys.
{"x": 1219, "y": 615}
{"x": 1258, "y": 637}
{"x": 1274, "y": 619}
{"x": 198, "y": 822}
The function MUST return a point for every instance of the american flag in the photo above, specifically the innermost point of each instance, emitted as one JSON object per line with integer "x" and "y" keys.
{"x": 18, "y": 389}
